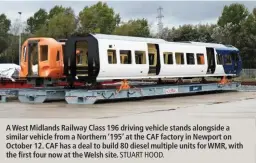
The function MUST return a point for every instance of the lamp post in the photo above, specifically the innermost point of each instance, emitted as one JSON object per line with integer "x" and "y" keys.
{"x": 20, "y": 36}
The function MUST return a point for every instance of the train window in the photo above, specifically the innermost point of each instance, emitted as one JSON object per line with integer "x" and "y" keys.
{"x": 112, "y": 57}
{"x": 44, "y": 52}
{"x": 190, "y": 58}
{"x": 168, "y": 58}
{"x": 140, "y": 57}
{"x": 58, "y": 56}
{"x": 24, "y": 53}
{"x": 125, "y": 57}
{"x": 228, "y": 59}
{"x": 200, "y": 58}
{"x": 234, "y": 57}
{"x": 179, "y": 57}
{"x": 219, "y": 59}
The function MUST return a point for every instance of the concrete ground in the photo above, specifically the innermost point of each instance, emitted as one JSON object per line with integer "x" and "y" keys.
{"x": 229, "y": 104}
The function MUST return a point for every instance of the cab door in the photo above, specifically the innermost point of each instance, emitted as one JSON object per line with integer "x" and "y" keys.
{"x": 33, "y": 61}
{"x": 210, "y": 60}
{"x": 44, "y": 61}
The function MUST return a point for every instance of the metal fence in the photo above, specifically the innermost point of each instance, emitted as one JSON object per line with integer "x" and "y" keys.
{"x": 248, "y": 73}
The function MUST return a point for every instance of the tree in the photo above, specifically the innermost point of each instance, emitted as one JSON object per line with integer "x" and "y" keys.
{"x": 166, "y": 34}
{"x": 55, "y": 11}
{"x": 98, "y": 18}
{"x": 4, "y": 28}
{"x": 139, "y": 28}
{"x": 62, "y": 25}
{"x": 184, "y": 33}
{"x": 205, "y": 33}
{"x": 234, "y": 14}
{"x": 35, "y": 22}
{"x": 233, "y": 18}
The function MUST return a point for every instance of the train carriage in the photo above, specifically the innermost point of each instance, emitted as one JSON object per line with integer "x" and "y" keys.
{"x": 122, "y": 57}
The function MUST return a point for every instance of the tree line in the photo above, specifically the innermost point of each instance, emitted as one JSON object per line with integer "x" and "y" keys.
{"x": 235, "y": 26}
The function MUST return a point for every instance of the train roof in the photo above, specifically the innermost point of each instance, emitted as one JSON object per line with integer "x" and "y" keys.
{"x": 128, "y": 38}
{"x": 139, "y": 39}
{"x": 215, "y": 45}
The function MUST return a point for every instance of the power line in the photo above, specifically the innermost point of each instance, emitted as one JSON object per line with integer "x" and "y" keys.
{"x": 160, "y": 23}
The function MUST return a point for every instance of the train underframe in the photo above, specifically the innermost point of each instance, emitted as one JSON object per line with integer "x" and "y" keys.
{"x": 117, "y": 83}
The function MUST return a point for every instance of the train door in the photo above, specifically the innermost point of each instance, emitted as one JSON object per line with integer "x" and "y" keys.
{"x": 33, "y": 62}
{"x": 24, "y": 61}
{"x": 154, "y": 59}
{"x": 82, "y": 58}
{"x": 210, "y": 60}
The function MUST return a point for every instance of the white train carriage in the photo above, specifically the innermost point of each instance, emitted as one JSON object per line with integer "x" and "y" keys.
{"x": 108, "y": 57}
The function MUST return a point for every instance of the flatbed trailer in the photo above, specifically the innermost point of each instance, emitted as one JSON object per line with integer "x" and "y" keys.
{"x": 91, "y": 96}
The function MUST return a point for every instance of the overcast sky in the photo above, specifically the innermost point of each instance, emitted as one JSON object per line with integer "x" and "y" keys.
{"x": 175, "y": 12}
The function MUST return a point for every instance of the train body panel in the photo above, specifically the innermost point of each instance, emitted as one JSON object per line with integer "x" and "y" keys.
{"x": 118, "y": 59}
{"x": 185, "y": 60}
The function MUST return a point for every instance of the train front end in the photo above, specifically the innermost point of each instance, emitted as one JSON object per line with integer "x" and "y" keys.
{"x": 41, "y": 58}
{"x": 231, "y": 60}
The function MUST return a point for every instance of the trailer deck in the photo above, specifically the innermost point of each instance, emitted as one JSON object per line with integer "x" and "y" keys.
{"x": 91, "y": 96}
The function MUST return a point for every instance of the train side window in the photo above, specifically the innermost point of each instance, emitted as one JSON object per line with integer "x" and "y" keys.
{"x": 200, "y": 58}
{"x": 168, "y": 58}
{"x": 228, "y": 59}
{"x": 24, "y": 53}
{"x": 219, "y": 59}
{"x": 234, "y": 57}
{"x": 112, "y": 57}
{"x": 125, "y": 57}
{"x": 179, "y": 57}
{"x": 44, "y": 52}
{"x": 140, "y": 57}
{"x": 58, "y": 56}
{"x": 190, "y": 58}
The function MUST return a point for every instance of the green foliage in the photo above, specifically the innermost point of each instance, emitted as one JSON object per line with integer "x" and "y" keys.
{"x": 4, "y": 28}
{"x": 3, "y": 44}
{"x": 98, "y": 18}
{"x": 36, "y": 21}
{"x": 4, "y": 24}
{"x": 55, "y": 11}
{"x": 139, "y": 28}
{"x": 234, "y": 14}
{"x": 62, "y": 25}
{"x": 198, "y": 33}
